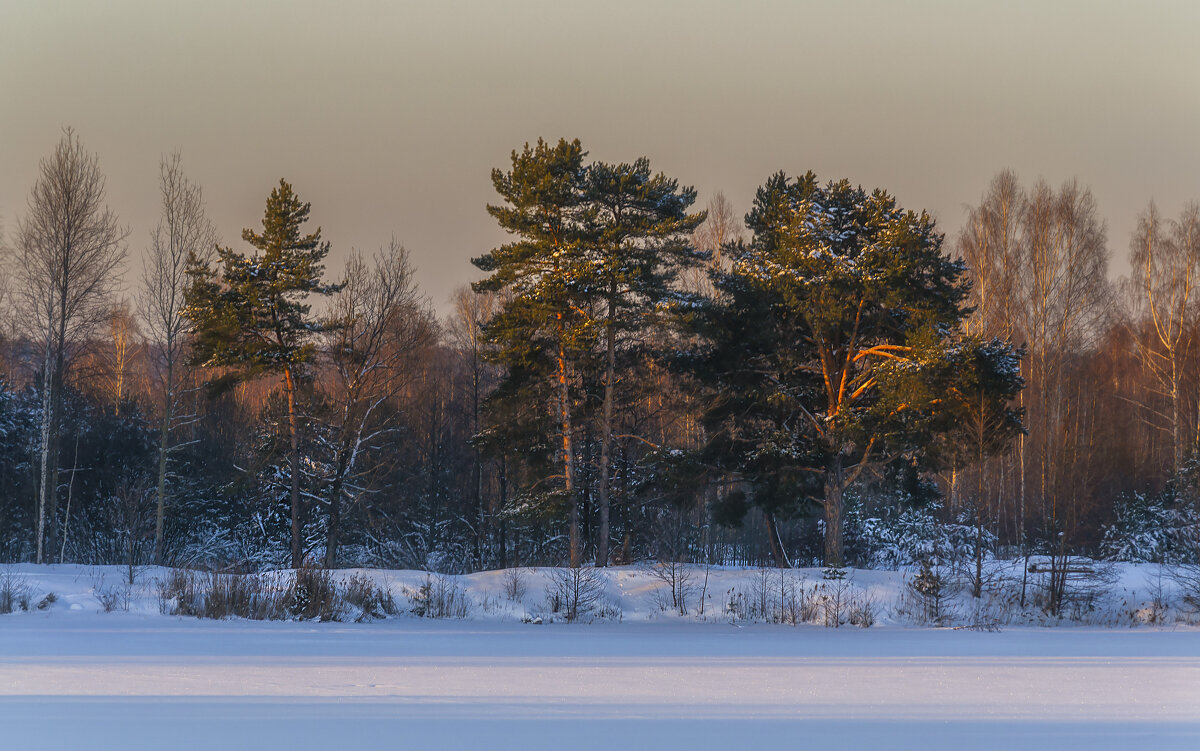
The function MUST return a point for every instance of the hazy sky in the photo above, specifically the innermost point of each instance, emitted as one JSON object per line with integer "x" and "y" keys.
{"x": 389, "y": 116}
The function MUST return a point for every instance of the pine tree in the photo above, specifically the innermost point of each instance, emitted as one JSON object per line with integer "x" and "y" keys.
{"x": 250, "y": 314}
{"x": 836, "y": 297}
{"x": 542, "y": 330}
{"x": 640, "y": 248}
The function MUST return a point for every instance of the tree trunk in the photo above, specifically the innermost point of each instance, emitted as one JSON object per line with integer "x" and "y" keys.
{"x": 1176, "y": 418}
{"x": 568, "y": 454}
{"x": 56, "y": 404}
{"x": 606, "y": 431}
{"x": 477, "y": 466}
{"x": 163, "y": 446}
{"x": 977, "y": 585}
{"x": 980, "y": 507}
{"x": 835, "y": 488}
{"x": 777, "y": 552}
{"x": 335, "y": 508}
{"x": 294, "y": 438}
{"x": 503, "y": 502}
{"x": 45, "y": 485}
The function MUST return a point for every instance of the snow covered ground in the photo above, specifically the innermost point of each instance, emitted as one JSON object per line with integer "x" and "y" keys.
{"x": 75, "y": 677}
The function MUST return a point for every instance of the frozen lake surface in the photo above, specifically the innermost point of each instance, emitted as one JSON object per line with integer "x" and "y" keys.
{"x": 87, "y": 680}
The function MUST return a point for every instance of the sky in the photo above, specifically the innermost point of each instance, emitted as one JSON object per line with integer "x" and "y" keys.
{"x": 389, "y": 116}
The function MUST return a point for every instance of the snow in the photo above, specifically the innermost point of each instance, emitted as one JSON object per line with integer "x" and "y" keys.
{"x": 74, "y": 677}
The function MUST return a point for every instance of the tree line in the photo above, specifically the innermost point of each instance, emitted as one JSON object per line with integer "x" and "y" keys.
{"x": 631, "y": 378}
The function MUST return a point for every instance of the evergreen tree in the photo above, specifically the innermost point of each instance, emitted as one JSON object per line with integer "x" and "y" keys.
{"x": 640, "y": 248}
{"x": 250, "y": 314}
{"x": 837, "y": 297}
{"x": 543, "y": 330}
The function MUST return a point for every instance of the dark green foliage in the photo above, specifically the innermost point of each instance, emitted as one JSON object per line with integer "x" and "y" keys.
{"x": 20, "y": 414}
{"x": 543, "y": 329}
{"x": 590, "y": 282}
{"x": 833, "y": 346}
{"x": 250, "y": 314}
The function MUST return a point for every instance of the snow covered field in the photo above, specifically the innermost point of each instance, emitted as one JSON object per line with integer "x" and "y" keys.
{"x": 83, "y": 679}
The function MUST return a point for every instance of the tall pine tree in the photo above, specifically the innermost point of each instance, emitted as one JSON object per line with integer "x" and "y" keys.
{"x": 543, "y": 329}
{"x": 250, "y": 314}
{"x": 639, "y": 249}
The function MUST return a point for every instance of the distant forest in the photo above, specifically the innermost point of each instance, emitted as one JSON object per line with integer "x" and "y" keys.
{"x": 828, "y": 380}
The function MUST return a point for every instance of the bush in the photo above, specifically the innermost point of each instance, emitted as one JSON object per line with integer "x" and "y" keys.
{"x": 677, "y": 577}
{"x": 514, "y": 585}
{"x": 1151, "y": 529}
{"x": 1069, "y": 585}
{"x": 908, "y": 536}
{"x": 370, "y": 600}
{"x": 439, "y": 597}
{"x": 834, "y": 599}
{"x": 14, "y": 594}
{"x": 929, "y": 590}
{"x": 308, "y": 594}
{"x": 574, "y": 592}
{"x": 314, "y": 596}
{"x": 255, "y": 596}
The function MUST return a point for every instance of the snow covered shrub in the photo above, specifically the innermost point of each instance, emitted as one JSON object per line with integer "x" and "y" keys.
{"x": 796, "y": 602}
{"x": 1151, "y": 529}
{"x": 314, "y": 596}
{"x": 220, "y": 596}
{"x": 676, "y": 577}
{"x": 112, "y": 598}
{"x": 990, "y": 577}
{"x": 834, "y": 599}
{"x": 371, "y": 600}
{"x": 574, "y": 592}
{"x": 761, "y": 597}
{"x": 1155, "y": 612}
{"x": 180, "y": 594}
{"x": 439, "y": 597}
{"x": 862, "y": 610}
{"x": 1187, "y": 578}
{"x": 927, "y": 594}
{"x": 514, "y": 584}
{"x": 1140, "y": 532}
{"x": 906, "y": 536}
{"x": 14, "y": 594}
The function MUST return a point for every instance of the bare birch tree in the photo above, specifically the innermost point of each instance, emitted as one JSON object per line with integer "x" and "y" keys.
{"x": 472, "y": 311}
{"x": 383, "y": 325}
{"x": 124, "y": 341}
{"x": 721, "y": 226}
{"x": 989, "y": 245}
{"x": 71, "y": 246}
{"x": 1165, "y": 260}
{"x": 1062, "y": 291}
{"x": 183, "y": 230}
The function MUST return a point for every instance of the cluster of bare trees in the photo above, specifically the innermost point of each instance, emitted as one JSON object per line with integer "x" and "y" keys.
{"x": 1109, "y": 365}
